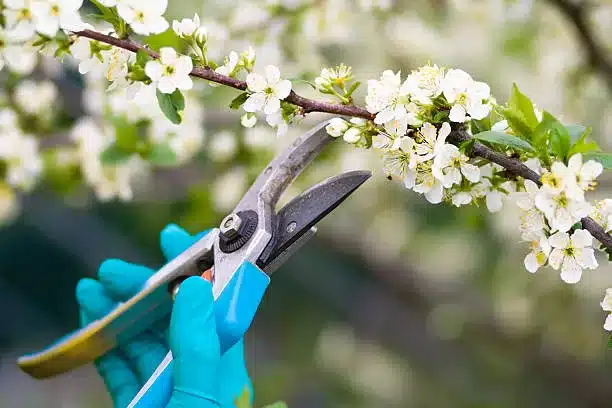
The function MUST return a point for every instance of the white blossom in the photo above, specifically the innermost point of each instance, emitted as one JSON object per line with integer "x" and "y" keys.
{"x": 19, "y": 19}
{"x": 171, "y": 71}
{"x": 449, "y": 164}
{"x": 468, "y": 97}
{"x": 21, "y": 157}
{"x": 334, "y": 76}
{"x": 186, "y": 27}
{"x": 561, "y": 211}
{"x": 540, "y": 250}
{"x": 430, "y": 141}
{"x": 36, "y": 97}
{"x": 144, "y": 16}
{"x": 581, "y": 177}
{"x": 390, "y": 100}
{"x": 267, "y": 92}
{"x": 572, "y": 254}
{"x": 107, "y": 181}
{"x": 425, "y": 84}
{"x": 423, "y": 181}
{"x": 51, "y": 15}
{"x": 222, "y": 145}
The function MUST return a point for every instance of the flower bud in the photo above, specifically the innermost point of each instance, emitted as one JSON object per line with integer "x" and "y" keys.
{"x": 337, "y": 127}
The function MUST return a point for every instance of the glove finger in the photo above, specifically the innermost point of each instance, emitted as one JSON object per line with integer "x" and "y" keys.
{"x": 145, "y": 352}
{"x": 93, "y": 299}
{"x": 233, "y": 369}
{"x": 121, "y": 279}
{"x": 174, "y": 240}
{"x": 195, "y": 344}
{"x": 114, "y": 369}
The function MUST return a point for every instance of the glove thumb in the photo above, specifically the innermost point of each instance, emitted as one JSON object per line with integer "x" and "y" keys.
{"x": 195, "y": 346}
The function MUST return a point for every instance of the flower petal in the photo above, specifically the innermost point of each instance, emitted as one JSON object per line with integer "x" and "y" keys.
{"x": 166, "y": 85}
{"x": 571, "y": 272}
{"x": 254, "y": 102}
{"x": 608, "y": 323}
{"x": 556, "y": 258}
{"x": 272, "y": 74}
{"x": 494, "y": 201}
{"x": 586, "y": 258}
{"x": 154, "y": 70}
{"x": 256, "y": 82}
{"x": 435, "y": 193}
{"x": 282, "y": 89}
{"x": 531, "y": 263}
{"x": 582, "y": 238}
{"x": 457, "y": 113}
{"x": 272, "y": 105}
{"x": 559, "y": 240}
{"x": 471, "y": 172}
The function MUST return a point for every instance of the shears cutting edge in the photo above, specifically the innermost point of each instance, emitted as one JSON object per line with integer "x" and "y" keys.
{"x": 238, "y": 258}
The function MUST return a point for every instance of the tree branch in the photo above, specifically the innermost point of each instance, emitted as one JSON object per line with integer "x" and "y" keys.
{"x": 309, "y": 105}
{"x": 576, "y": 13}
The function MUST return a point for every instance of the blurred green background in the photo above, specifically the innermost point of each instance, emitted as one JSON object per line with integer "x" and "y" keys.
{"x": 396, "y": 303}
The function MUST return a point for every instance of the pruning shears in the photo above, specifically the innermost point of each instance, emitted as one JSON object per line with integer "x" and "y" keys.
{"x": 238, "y": 258}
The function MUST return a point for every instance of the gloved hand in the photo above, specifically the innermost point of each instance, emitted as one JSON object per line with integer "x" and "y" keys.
{"x": 202, "y": 377}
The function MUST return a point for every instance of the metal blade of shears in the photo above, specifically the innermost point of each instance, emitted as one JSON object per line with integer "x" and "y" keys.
{"x": 298, "y": 216}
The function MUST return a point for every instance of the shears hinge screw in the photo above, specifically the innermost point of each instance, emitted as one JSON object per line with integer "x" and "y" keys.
{"x": 236, "y": 230}
{"x": 231, "y": 225}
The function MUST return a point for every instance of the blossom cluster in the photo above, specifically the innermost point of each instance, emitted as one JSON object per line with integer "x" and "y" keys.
{"x": 415, "y": 119}
{"x": 20, "y": 162}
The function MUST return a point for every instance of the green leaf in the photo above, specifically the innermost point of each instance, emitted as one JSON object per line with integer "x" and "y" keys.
{"x": 467, "y": 146}
{"x": 479, "y": 126}
{"x": 582, "y": 145}
{"x": 604, "y": 158}
{"x": 517, "y": 123}
{"x": 560, "y": 141}
{"x": 114, "y": 155}
{"x": 505, "y": 139}
{"x": 522, "y": 104}
{"x": 441, "y": 116}
{"x": 610, "y": 342}
{"x": 172, "y": 105}
{"x": 162, "y": 155}
{"x": 237, "y": 102}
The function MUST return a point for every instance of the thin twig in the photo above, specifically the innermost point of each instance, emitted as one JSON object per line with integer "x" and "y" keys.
{"x": 597, "y": 56}
{"x": 308, "y": 105}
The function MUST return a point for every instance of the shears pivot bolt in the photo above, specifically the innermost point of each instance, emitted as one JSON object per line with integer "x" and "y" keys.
{"x": 231, "y": 225}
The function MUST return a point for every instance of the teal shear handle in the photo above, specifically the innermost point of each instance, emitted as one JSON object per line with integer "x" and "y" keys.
{"x": 235, "y": 308}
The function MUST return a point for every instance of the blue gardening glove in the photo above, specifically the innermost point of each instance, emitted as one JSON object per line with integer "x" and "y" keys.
{"x": 202, "y": 377}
